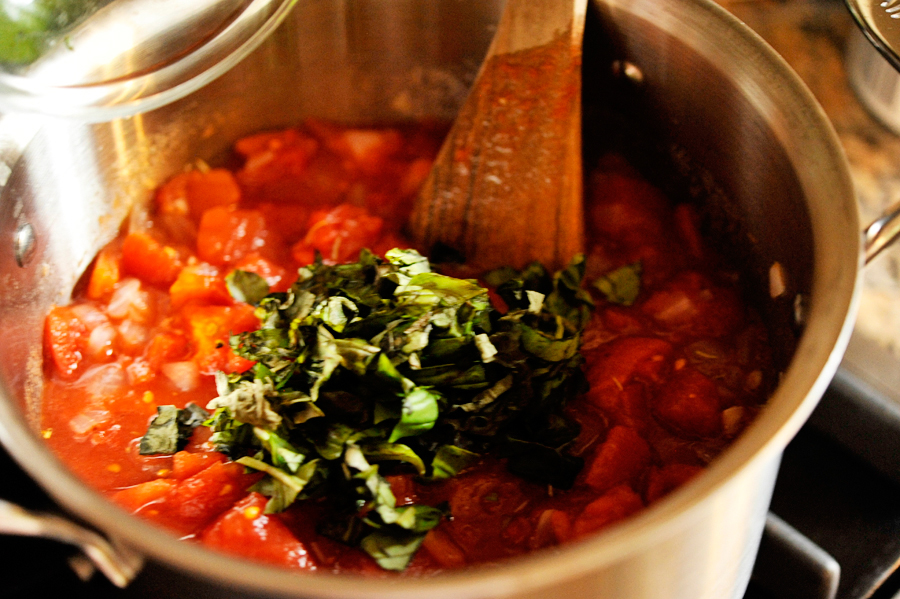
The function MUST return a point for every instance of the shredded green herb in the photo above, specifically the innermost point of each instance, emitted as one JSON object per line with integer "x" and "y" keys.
{"x": 384, "y": 361}
{"x": 622, "y": 285}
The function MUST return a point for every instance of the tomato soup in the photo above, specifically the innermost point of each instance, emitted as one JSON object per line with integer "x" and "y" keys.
{"x": 170, "y": 335}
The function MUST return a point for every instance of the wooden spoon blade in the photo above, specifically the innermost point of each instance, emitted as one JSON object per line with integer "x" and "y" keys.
{"x": 506, "y": 188}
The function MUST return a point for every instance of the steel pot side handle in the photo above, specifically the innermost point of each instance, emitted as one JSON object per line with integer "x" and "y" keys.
{"x": 119, "y": 564}
{"x": 881, "y": 233}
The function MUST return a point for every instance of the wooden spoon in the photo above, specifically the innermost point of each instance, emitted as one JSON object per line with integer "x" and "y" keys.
{"x": 506, "y": 188}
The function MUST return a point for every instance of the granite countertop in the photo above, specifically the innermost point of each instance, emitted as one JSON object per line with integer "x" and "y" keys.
{"x": 813, "y": 37}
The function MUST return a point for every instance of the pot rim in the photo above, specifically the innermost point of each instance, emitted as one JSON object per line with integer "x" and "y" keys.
{"x": 835, "y": 293}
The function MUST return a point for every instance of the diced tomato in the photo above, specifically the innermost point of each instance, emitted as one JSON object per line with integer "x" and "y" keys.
{"x": 210, "y": 328}
{"x": 141, "y": 495}
{"x": 621, "y": 459}
{"x": 65, "y": 339}
{"x": 150, "y": 260}
{"x": 627, "y": 209}
{"x": 616, "y": 504}
{"x": 689, "y": 402}
{"x": 289, "y": 220}
{"x": 196, "y": 191}
{"x": 388, "y": 242}
{"x": 553, "y": 526}
{"x": 199, "y": 499}
{"x": 339, "y": 234}
{"x": 228, "y": 234}
{"x": 694, "y": 305}
{"x": 663, "y": 481}
{"x": 368, "y": 149}
{"x": 167, "y": 346}
{"x": 188, "y": 463}
{"x": 627, "y": 359}
{"x": 247, "y": 530}
{"x": 415, "y": 176}
{"x": 274, "y": 156}
{"x": 275, "y": 275}
{"x": 404, "y": 488}
{"x": 201, "y": 283}
{"x": 443, "y": 549}
{"x": 106, "y": 273}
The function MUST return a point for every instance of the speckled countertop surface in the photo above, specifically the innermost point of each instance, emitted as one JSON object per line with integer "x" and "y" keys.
{"x": 813, "y": 37}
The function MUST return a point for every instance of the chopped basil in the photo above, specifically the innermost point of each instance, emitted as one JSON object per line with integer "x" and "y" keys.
{"x": 386, "y": 364}
{"x": 449, "y": 460}
{"x": 246, "y": 287}
{"x": 622, "y": 285}
{"x": 171, "y": 429}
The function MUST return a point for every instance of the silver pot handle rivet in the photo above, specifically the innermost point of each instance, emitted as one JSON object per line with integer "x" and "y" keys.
{"x": 23, "y": 244}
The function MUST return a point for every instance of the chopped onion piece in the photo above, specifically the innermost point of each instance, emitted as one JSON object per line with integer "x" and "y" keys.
{"x": 104, "y": 381}
{"x": 88, "y": 420}
{"x": 100, "y": 341}
{"x": 777, "y": 285}
{"x": 129, "y": 300}
{"x": 184, "y": 375}
{"x": 133, "y": 334}
{"x": 90, "y": 315}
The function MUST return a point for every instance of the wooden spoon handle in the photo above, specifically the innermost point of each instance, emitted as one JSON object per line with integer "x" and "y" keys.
{"x": 506, "y": 188}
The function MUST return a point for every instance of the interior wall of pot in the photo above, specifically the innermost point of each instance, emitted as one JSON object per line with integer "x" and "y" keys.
{"x": 691, "y": 128}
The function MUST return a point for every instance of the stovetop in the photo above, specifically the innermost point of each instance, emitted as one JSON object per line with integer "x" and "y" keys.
{"x": 834, "y": 526}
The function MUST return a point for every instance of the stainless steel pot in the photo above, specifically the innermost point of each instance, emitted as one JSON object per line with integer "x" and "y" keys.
{"x": 712, "y": 87}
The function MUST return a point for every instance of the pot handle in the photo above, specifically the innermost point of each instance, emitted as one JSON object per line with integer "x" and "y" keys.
{"x": 882, "y": 232}
{"x": 119, "y": 564}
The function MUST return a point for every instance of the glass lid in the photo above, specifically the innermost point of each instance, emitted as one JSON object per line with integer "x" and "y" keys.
{"x": 103, "y": 59}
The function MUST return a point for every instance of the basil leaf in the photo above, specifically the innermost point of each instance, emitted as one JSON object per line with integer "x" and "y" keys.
{"x": 356, "y": 357}
{"x": 418, "y": 414}
{"x": 171, "y": 429}
{"x": 247, "y": 287}
{"x": 282, "y": 487}
{"x": 392, "y": 550}
{"x": 450, "y": 460}
{"x": 394, "y": 451}
{"x": 547, "y": 348}
{"x": 249, "y": 402}
{"x": 622, "y": 285}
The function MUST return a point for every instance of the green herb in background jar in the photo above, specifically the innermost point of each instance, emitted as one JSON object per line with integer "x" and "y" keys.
{"x": 28, "y": 28}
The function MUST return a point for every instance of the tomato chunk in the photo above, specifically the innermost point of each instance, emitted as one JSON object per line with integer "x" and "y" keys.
{"x": 210, "y": 328}
{"x": 65, "y": 339}
{"x": 197, "y": 500}
{"x": 227, "y": 234}
{"x": 188, "y": 463}
{"x": 141, "y": 495}
{"x": 196, "y": 191}
{"x": 629, "y": 359}
{"x": 339, "y": 234}
{"x": 150, "y": 260}
{"x": 621, "y": 459}
{"x": 246, "y": 530}
{"x": 692, "y": 304}
{"x": 201, "y": 283}
{"x": 273, "y": 156}
{"x": 616, "y": 504}
{"x": 690, "y": 402}
{"x": 275, "y": 275}
{"x": 663, "y": 481}
{"x": 106, "y": 273}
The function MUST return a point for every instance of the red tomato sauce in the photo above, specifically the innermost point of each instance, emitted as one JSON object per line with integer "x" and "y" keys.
{"x": 673, "y": 377}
